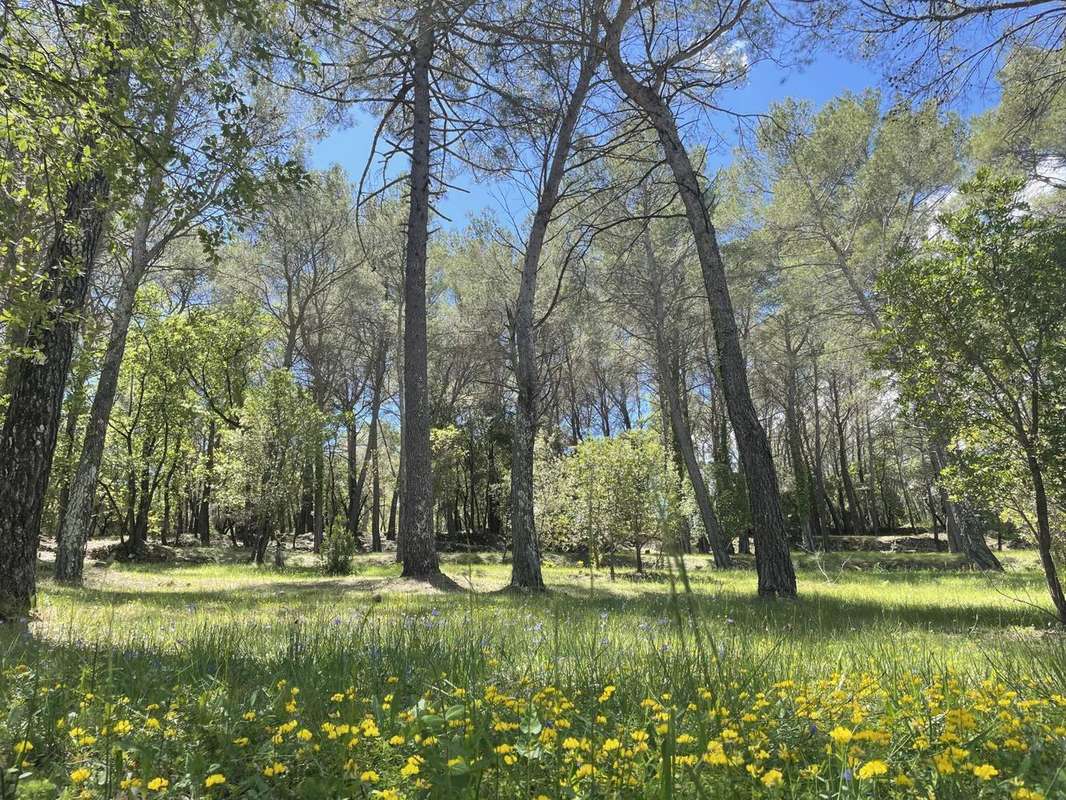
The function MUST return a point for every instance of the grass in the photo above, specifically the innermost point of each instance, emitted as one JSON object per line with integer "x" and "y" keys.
{"x": 892, "y": 675}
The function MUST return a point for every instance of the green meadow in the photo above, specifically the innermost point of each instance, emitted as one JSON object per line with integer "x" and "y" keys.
{"x": 893, "y": 675}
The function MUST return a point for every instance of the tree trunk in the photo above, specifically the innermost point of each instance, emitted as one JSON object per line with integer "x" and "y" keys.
{"x": 375, "y": 499}
{"x": 319, "y": 498}
{"x": 820, "y": 494}
{"x": 961, "y": 522}
{"x": 1043, "y": 536}
{"x": 390, "y": 531}
{"x": 31, "y": 421}
{"x": 352, "y": 474}
{"x": 525, "y": 565}
{"x": 851, "y": 511}
{"x": 70, "y": 552}
{"x": 73, "y": 533}
{"x": 416, "y": 521}
{"x": 773, "y": 561}
{"x": 683, "y": 442}
{"x": 493, "y": 522}
{"x": 203, "y": 510}
{"x": 875, "y": 516}
{"x": 70, "y": 433}
{"x": 799, "y": 466}
{"x": 138, "y": 536}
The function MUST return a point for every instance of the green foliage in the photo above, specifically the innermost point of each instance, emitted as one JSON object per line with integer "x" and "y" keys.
{"x": 976, "y": 330}
{"x": 338, "y": 549}
{"x": 609, "y": 493}
{"x": 1028, "y": 126}
{"x": 261, "y": 466}
{"x": 57, "y": 120}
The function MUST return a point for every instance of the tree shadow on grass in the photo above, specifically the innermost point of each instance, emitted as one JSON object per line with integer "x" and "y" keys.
{"x": 819, "y": 614}
{"x": 824, "y": 608}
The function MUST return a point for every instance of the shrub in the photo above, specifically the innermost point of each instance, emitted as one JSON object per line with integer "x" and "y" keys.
{"x": 338, "y": 550}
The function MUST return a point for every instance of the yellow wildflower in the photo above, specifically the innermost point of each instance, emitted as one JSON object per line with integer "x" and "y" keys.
{"x": 840, "y": 735}
{"x": 772, "y": 777}
{"x": 871, "y": 769}
{"x": 985, "y": 772}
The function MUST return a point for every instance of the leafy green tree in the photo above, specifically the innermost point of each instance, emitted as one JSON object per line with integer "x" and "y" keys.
{"x": 152, "y": 425}
{"x": 975, "y": 328}
{"x": 610, "y": 493}
{"x": 262, "y": 459}
{"x": 1026, "y": 131}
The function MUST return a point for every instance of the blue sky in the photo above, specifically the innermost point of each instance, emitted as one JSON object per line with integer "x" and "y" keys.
{"x": 828, "y": 76}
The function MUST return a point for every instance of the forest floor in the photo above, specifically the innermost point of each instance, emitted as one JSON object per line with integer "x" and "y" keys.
{"x": 893, "y": 674}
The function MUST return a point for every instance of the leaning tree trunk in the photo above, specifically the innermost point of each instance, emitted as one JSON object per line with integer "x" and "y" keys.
{"x": 773, "y": 562}
{"x": 716, "y": 537}
{"x": 74, "y": 530}
{"x": 416, "y": 517}
{"x": 960, "y": 522}
{"x": 525, "y": 564}
{"x": 1043, "y": 536}
{"x": 70, "y": 552}
{"x": 668, "y": 381}
{"x": 31, "y": 421}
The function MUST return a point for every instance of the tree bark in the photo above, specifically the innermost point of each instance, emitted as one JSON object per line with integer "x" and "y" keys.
{"x": 70, "y": 553}
{"x": 319, "y": 498}
{"x": 875, "y": 516}
{"x": 31, "y": 421}
{"x": 525, "y": 564}
{"x": 1043, "y": 536}
{"x": 203, "y": 509}
{"x": 821, "y": 496}
{"x": 375, "y": 499}
{"x": 773, "y": 562}
{"x": 683, "y": 442}
{"x": 851, "y": 510}
{"x": 416, "y": 520}
{"x": 961, "y": 522}
{"x": 77, "y": 522}
{"x": 804, "y": 509}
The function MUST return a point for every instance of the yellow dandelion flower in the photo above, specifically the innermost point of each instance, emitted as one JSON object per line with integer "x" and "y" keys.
{"x": 871, "y": 769}
{"x": 840, "y": 735}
